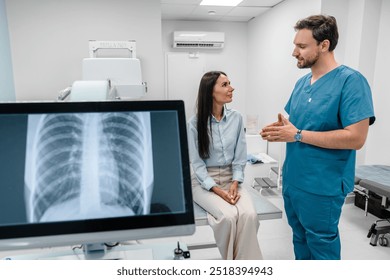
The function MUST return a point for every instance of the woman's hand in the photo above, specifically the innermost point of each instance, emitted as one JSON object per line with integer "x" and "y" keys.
{"x": 233, "y": 192}
{"x": 231, "y": 196}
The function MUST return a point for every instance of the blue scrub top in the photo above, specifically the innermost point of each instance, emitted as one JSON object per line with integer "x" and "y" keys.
{"x": 338, "y": 99}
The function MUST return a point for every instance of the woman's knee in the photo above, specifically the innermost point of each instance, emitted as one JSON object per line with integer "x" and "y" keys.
{"x": 249, "y": 214}
{"x": 230, "y": 217}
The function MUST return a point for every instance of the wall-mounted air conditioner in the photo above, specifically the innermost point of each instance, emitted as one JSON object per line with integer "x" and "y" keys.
{"x": 198, "y": 39}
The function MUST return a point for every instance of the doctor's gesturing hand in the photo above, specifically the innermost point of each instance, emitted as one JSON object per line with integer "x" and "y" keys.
{"x": 281, "y": 131}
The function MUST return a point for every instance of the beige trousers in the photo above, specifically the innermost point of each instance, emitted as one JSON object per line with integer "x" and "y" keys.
{"x": 235, "y": 226}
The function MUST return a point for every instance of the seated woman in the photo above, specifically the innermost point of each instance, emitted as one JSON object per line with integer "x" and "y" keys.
{"x": 218, "y": 157}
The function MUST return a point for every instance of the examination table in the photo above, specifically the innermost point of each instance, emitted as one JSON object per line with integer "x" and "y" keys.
{"x": 372, "y": 186}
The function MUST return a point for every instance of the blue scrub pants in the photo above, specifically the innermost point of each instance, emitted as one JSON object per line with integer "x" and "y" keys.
{"x": 314, "y": 221}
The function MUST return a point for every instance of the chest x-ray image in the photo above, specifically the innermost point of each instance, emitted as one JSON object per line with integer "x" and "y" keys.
{"x": 88, "y": 165}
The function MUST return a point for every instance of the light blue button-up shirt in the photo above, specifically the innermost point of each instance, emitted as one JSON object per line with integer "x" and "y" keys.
{"x": 227, "y": 147}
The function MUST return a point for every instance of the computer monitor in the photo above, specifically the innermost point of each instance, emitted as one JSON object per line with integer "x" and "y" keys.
{"x": 93, "y": 172}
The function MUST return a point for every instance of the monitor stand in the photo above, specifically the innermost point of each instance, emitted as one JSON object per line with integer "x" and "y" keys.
{"x": 158, "y": 251}
{"x": 101, "y": 251}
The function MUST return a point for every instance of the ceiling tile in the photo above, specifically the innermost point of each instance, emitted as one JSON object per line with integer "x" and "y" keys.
{"x": 179, "y": 10}
{"x": 181, "y": 2}
{"x": 259, "y": 3}
{"x": 219, "y": 10}
{"x": 190, "y": 10}
{"x": 247, "y": 11}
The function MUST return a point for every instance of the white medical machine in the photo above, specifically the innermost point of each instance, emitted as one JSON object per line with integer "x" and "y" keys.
{"x": 108, "y": 78}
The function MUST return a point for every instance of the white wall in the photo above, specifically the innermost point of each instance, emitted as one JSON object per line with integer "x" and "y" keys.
{"x": 378, "y": 148}
{"x": 346, "y": 52}
{"x": 363, "y": 45}
{"x": 7, "y": 90}
{"x": 272, "y": 70}
{"x": 359, "y": 21}
{"x": 49, "y": 39}
{"x": 231, "y": 59}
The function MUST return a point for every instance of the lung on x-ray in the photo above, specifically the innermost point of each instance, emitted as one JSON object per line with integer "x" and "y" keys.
{"x": 88, "y": 165}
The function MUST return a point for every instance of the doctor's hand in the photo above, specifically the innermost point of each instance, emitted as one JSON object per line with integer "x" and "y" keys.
{"x": 281, "y": 131}
{"x": 277, "y": 123}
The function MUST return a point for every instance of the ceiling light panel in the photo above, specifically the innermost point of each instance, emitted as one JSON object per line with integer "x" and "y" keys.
{"x": 230, "y": 3}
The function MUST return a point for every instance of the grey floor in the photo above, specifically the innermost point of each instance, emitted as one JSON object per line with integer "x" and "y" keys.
{"x": 276, "y": 242}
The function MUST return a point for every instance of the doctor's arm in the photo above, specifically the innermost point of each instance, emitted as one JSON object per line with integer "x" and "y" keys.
{"x": 351, "y": 137}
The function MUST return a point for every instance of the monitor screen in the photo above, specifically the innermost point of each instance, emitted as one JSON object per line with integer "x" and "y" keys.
{"x": 89, "y": 172}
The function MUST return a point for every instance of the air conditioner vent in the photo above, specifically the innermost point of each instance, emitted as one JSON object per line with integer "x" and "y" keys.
{"x": 198, "y": 45}
{"x": 198, "y": 40}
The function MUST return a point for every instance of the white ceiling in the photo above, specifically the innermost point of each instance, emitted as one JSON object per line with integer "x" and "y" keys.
{"x": 191, "y": 10}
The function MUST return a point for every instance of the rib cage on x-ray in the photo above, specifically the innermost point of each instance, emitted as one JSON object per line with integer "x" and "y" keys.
{"x": 95, "y": 159}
